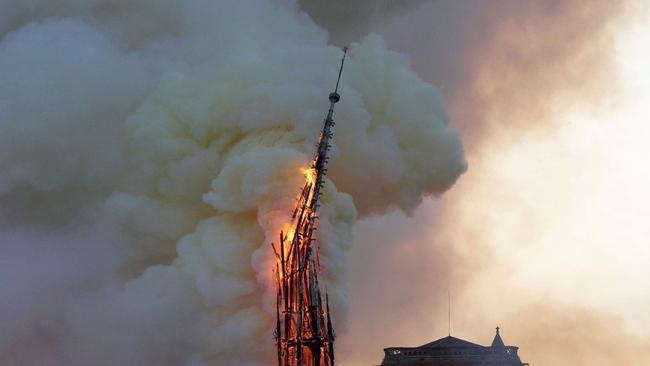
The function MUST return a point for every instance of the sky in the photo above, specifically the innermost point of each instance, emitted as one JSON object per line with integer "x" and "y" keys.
{"x": 488, "y": 163}
{"x": 546, "y": 233}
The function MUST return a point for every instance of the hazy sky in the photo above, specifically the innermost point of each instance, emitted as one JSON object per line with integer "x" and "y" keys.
{"x": 546, "y": 234}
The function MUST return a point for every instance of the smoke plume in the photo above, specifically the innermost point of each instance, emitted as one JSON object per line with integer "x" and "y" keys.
{"x": 151, "y": 151}
{"x": 347, "y": 21}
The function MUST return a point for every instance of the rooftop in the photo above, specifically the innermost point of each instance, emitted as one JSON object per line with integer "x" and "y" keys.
{"x": 451, "y": 350}
{"x": 451, "y": 342}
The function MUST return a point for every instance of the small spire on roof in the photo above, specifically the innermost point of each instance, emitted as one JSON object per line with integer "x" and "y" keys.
{"x": 498, "y": 342}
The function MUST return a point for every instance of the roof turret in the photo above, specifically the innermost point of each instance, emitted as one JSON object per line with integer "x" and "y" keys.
{"x": 498, "y": 342}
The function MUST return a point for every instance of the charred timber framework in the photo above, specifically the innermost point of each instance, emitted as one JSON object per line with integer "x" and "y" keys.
{"x": 303, "y": 334}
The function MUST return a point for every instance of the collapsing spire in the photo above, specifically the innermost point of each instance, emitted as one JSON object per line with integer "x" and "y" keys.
{"x": 304, "y": 334}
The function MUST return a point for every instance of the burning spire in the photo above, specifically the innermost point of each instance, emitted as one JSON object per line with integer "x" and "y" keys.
{"x": 304, "y": 333}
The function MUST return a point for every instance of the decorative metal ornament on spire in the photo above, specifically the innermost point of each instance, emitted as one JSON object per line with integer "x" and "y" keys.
{"x": 303, "y": 333}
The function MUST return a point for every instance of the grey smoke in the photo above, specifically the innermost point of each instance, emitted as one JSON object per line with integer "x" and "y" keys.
{"x": 150, "y": 152}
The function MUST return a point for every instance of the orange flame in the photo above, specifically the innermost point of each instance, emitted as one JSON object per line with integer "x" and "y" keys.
{"x": 310, "y": 174}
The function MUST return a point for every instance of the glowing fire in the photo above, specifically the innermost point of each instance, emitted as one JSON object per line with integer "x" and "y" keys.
{"x": 303, "y": 332}
{"x": 310, "y": 175}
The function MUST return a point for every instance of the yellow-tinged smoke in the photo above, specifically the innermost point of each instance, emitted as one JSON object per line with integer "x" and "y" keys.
{"x": 546, "y": 236}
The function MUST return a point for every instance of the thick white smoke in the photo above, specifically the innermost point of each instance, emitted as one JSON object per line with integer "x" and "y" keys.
{"x": 151, "y": 150}
{"x": 348, "y": 20}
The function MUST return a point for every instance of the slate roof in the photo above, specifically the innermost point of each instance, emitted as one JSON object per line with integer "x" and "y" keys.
{"x": 451, "y": 342}
{"x": 454, "y": 351}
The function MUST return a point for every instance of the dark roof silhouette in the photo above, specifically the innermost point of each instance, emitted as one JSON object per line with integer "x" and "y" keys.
{"x": 498, "y": 342}
{"x": 454, "y": 351}
{"x": 451, "y": 342}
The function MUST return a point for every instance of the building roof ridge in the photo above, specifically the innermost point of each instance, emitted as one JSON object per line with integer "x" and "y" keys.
{"x": 451, "y": 341}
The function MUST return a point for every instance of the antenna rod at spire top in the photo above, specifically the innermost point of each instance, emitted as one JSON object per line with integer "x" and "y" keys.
{"x": 334, "y": 96}
{"x": 449, "y": 312}
{"x": 345, "y": 52}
